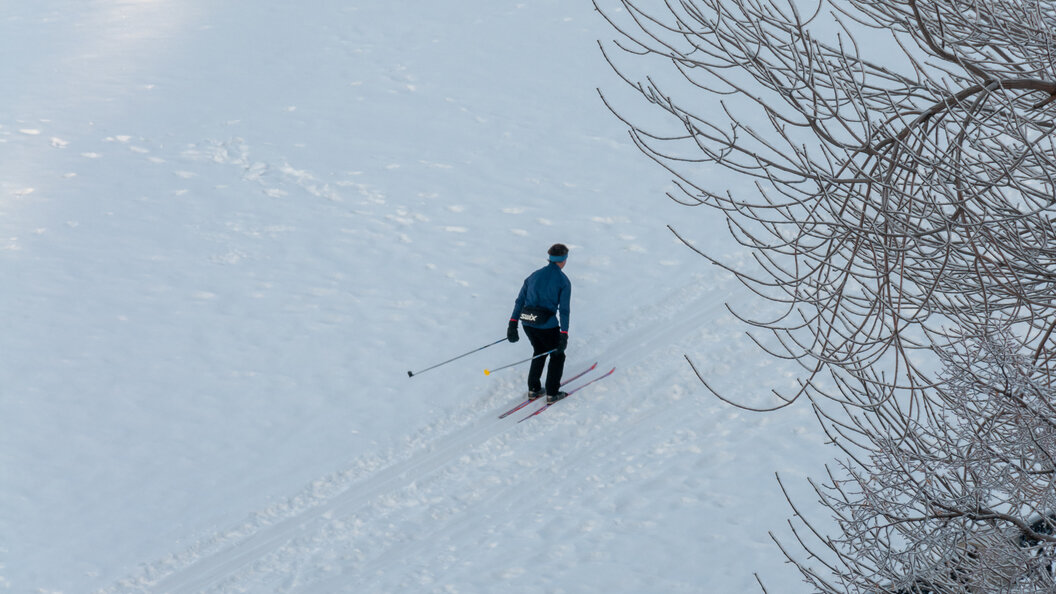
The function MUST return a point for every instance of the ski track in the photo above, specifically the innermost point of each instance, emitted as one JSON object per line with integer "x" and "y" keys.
{"x": 223, "y": 562}
{"x": 214, "y": 569}
{"x": 453, "y": 528}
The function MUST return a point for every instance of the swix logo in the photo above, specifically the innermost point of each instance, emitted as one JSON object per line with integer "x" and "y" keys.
{"x": 527, "y": 317}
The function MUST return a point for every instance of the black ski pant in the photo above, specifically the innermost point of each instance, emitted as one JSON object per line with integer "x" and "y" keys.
{"x": 543, "y": 340}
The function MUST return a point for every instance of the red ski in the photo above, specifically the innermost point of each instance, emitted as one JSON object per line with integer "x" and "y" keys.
{"x": 570, "y": 392}
{"x": 527, "y": 402}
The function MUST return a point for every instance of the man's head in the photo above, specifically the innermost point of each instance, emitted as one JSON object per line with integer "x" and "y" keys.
{"x": 558, "y": 254}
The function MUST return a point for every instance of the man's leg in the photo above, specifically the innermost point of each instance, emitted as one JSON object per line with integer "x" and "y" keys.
{"x": 544, "y": 340}
{"x": 555, "y": 367}
{"x": 535, "y": 371}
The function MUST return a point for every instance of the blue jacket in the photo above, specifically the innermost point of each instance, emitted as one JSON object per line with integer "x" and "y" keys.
{"x": 548, "y": 288}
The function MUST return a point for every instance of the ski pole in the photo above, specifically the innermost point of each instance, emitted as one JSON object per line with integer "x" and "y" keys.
{"x": 414, "y": 373}
{"x": 490, "y": 371}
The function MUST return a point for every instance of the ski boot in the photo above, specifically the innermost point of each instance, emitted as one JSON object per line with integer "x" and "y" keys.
{"x": 552, "y": 398}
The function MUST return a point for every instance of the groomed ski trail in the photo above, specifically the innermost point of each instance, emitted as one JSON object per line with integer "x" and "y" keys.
{"x": 344, "y": 518}
{"x": 213, "y": 568}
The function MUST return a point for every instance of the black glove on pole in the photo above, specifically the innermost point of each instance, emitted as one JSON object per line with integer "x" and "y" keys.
{"x": 562, "y": 342}
{"x": 511, "y": 332}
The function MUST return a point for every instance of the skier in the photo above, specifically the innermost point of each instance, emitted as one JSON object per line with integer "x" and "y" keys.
{"x": 544, "y": 298}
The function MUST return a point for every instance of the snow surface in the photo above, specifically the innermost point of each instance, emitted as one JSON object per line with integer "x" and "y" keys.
{"x": 228, "y": 230}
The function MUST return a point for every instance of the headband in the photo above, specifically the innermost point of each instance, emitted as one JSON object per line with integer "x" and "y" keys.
{"x": 558, "y": 258}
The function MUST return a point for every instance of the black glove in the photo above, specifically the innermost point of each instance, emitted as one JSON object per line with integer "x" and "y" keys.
{"x": 511, "y": 332}
{"x": 562, "y": 342}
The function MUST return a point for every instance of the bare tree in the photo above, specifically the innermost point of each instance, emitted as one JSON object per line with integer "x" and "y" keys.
{"x": 962, "y": 502}
{"x": 901, "y": 215}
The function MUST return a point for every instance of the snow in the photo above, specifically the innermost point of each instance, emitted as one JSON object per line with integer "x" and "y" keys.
{"x": 229, "y": 229}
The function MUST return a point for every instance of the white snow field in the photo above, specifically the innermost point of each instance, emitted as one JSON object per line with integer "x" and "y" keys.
{"x": 229, "y": 228}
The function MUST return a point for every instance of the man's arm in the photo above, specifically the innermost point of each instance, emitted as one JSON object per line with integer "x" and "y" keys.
{"x": 563, "y": 305}
{"x": 518, "y": 304}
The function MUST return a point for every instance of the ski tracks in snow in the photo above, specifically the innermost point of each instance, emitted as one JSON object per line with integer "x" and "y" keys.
{"x": 389, "y": 522}
{"x": 276, "y": 547}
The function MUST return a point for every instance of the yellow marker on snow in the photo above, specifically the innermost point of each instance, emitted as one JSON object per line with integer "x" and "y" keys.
{"x": 486, "y": 372}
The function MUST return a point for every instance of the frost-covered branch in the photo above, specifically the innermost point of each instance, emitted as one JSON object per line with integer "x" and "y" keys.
{"x": 900, "y": 158}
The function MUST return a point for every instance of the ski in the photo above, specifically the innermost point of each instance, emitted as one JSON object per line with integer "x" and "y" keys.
{"x": 517, "y": 408}
{"x": 527, "y": 402}
{"x": 570, "y": 392}
{"x": 580, "y": 374}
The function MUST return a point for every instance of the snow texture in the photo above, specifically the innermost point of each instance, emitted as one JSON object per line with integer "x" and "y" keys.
{"x": 229, "y": 229}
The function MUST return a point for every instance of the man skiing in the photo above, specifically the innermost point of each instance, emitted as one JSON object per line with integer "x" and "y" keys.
{"x": 544, "y": 298}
